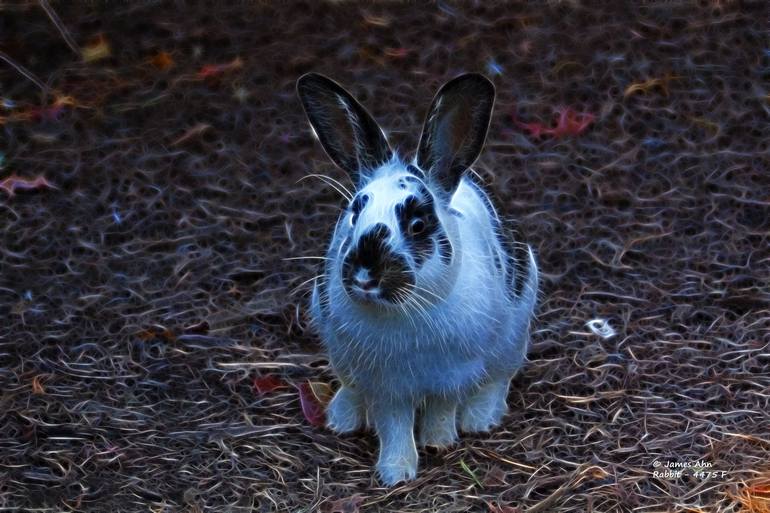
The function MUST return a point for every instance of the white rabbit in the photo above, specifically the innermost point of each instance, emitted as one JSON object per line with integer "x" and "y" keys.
{"x": 424, "y": 307}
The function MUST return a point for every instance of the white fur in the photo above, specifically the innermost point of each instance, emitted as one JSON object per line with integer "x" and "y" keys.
{"x": 465, "y": 331}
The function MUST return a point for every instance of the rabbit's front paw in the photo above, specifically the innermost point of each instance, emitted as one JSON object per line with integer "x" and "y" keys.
{"x": 344, "y": 413}
{"x": 393, "y": 472}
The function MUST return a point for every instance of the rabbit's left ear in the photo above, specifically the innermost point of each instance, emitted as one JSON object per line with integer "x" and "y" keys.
{"x": 455, "y": 128}
{"x": 346, "y": 130}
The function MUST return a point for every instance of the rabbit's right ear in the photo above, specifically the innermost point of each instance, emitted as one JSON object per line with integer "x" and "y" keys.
{"x": 455, "y": 128}
{"x": 347, "y": 132}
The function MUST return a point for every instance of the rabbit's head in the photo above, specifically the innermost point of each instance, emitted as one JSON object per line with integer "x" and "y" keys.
{"x": 397, "y": 232}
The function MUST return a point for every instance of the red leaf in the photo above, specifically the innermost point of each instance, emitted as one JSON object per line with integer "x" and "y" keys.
{"x": 162, "y": 61}
{"x": 266, "y": 384}
{"x": 569, "y": 122}
{"x": 212, "y": 70}
{"x": 534, "y": 129}
{"x": 572, "y": 123}
{"x": 346, "y": 505}
{"x": 397, "y": 53}
{"x": 494, "y": 508}
{"x": 157, "y": 332}
{"x": 46, "y": 113}
{"x": 14, "y": 182}
{"x": 311, "y": 408}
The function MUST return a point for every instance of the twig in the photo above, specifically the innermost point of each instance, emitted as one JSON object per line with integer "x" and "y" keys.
{"x": 24, "y": 71}
{"x": 59, "y": 25}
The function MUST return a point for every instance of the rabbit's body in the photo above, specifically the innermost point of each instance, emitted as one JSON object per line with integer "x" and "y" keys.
{"x": 423, "y": 308}
{"x": 438, "y": 351}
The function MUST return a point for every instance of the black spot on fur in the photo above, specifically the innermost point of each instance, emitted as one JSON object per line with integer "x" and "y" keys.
{"x": 358, "y": 204}
{"x": 419, "y": 206}
{"x": 373, "y": 253}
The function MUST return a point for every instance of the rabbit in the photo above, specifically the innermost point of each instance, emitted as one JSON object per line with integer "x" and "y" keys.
{"x": 424, "y": 307}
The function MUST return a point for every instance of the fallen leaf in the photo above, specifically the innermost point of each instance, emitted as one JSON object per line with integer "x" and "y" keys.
{"x": 647, "y": 85}
{"x": 158, "y": 332}
{"x": 99, "y": 49}
{"x": 14, "y": 182}
{"x": 494, "y": 508}
{"x": 47, "y": 113}
{"x": 212, "y": 70}
{"x": 397, "y": 53}
{"x": 569, "y": 122}
{"x": 321, "y": 392}
{"x": 311, "y": 408}
{"x": 37, "y": 386}
{"x": 347, "y": 505}
{"x": 162, "y": 61}
{"x": 266, "y": 384}
{"x": 377, "y": 21}
{"x": 754, "y": 497}
{"x": 192, "y": 132}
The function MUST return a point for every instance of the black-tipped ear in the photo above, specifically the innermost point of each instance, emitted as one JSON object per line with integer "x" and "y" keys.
{"x": 455, "y": 128}
{"x": 347, "y": 132}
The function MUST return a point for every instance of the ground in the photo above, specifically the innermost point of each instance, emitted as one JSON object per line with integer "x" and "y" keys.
{"x": 144, "y": 286}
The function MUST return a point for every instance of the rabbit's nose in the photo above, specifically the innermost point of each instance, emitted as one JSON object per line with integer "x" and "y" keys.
{"x": 364, "y": 279}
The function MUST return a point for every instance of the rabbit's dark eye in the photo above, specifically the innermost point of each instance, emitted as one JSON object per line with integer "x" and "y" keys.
{"x": 416, "y": 226}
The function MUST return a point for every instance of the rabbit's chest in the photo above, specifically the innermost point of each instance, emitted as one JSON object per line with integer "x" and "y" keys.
{"x": 410, "y": 362}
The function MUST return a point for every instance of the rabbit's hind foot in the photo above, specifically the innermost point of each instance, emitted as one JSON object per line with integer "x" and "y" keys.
{"x": 438, "y": 424}
{"x": 484, "y": 409}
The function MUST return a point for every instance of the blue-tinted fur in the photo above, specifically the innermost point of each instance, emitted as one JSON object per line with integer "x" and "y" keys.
{"x": 447, "y": 351}
{"x": 462, "y": 350}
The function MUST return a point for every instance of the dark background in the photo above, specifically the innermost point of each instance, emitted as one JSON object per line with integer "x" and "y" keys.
{"x": 176, "y": 200}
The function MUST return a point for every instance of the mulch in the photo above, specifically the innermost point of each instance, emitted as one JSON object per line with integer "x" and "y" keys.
{"x": 155, "y": 337}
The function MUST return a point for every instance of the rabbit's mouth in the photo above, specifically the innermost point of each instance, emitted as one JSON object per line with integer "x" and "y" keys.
{"x": 387, "y": 286}
{"x": 383, "y": 281}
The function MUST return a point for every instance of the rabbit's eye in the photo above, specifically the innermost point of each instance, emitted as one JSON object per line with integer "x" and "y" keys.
{"x": 416, "y": 226}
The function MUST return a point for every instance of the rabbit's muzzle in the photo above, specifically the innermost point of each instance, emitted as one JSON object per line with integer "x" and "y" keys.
{"x": 372, "y": 272}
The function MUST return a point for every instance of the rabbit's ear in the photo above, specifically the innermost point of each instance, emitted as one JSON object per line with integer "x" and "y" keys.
{"x": 455, "y": 128}
{"x": 348, "y": 133}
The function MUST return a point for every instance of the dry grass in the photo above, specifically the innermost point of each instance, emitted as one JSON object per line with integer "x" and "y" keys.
{"x": 176, "y": 153}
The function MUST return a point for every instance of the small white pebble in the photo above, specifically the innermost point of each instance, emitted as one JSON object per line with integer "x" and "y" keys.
{"x": 601, "y": 327}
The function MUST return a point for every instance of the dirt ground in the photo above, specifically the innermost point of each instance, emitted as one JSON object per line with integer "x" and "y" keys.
{"x": 153, "y": 335}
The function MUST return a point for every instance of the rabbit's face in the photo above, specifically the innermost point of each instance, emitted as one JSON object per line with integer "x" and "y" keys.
{"x": 395, "y": 244}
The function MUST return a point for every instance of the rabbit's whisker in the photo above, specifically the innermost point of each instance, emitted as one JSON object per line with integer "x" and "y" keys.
{"x": 334, "y": 184}
{"x": 294, "y": 291}
{"x": 307, "y": 258}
